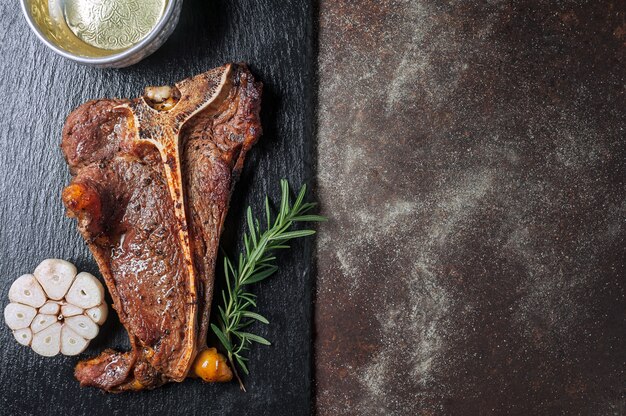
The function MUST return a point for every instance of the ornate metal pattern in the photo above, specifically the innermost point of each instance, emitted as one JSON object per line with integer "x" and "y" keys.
{"x": 47, "y": 19}
{"x": 112, "y": 24}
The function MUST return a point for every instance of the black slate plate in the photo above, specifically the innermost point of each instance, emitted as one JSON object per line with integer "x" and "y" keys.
{"x": 39, "y": 89}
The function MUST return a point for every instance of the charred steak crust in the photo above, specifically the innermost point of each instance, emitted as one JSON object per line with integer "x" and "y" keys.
{"x": 150, "y": 190}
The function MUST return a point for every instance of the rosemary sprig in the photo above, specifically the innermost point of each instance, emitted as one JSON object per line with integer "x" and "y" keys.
{"x": 256, "y": 264}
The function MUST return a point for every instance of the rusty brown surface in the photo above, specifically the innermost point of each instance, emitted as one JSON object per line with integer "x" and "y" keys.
{"x": 472, "y": 161}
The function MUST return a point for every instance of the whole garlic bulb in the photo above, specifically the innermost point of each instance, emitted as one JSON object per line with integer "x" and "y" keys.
{"x": 56, "y": 309}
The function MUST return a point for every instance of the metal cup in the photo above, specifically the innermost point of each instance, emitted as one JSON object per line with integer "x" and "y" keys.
{"x": 51, "y": 28}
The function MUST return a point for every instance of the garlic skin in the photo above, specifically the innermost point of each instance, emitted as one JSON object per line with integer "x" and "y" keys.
{"x": 56, "y": 309}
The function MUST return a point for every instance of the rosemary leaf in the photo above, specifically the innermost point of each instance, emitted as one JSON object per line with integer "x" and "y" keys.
{"x": 254, "y": 315}
{"x": 223, "y": 339}
{"x": 255, "y": 264}
{"x": 255, "y": 338}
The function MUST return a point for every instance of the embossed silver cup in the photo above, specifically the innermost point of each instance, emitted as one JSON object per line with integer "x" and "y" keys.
{"x": 56, "y": 35}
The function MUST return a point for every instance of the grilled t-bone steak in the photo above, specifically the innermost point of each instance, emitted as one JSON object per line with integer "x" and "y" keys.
{"x": 151, "y": 183}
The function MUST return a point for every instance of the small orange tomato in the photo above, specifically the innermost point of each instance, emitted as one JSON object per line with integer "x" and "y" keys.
{"x": 212, "y": 367}
{"x": 80, "y": 197}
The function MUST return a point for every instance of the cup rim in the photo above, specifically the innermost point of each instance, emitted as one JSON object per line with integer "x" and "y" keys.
{"x": 104, "y": 60}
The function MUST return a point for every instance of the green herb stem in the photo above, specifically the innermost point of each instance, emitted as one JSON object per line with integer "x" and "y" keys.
{"x": 255, "y": 264}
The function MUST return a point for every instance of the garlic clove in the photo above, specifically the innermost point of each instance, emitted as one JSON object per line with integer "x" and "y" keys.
{"x": 48, "y": 341}
{"x": 98, "y": 314}
{"x": 71, "y": 342}
{"x": 50, "y": 308}
{"x": 55, "y": 276}
{"x": 71, "y": 310}
{"x": 55, "y": 309}
{"x": 42, "y": 322}
{"x": 27, "y": 290}
{"x": 18, "y": 316}
{"x": 23, "y": 336}
{"x": 83, "y": 326}
{"x": 86, "y": 291}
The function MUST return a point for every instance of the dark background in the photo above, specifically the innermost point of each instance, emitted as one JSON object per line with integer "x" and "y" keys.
{"x": 39, "y": 89}
{"x": 472, "y": 157}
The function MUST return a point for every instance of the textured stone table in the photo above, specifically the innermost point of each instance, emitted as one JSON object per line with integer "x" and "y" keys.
{"x": 472, "y": 159}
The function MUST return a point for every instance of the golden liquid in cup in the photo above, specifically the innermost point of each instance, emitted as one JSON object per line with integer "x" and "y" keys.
{"x": 96, "y": 28}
